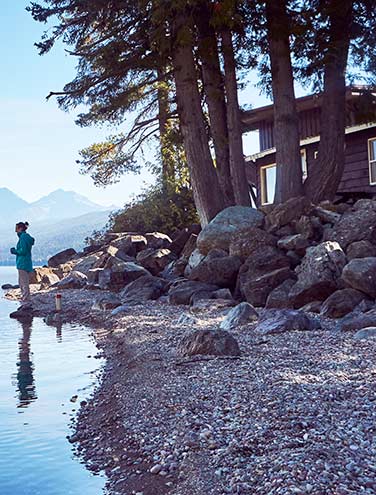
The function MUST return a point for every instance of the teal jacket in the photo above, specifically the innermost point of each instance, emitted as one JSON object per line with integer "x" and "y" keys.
{"x": 23, "y": 252}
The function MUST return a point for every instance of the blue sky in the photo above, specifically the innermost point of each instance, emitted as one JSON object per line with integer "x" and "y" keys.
{"x": 38, "y": 142}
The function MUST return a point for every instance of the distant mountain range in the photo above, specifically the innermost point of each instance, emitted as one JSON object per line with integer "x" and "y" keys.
{"x": 59, "y": 220}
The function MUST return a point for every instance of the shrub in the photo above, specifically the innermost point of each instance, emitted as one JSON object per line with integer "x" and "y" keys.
{"x": 155, "y": 210}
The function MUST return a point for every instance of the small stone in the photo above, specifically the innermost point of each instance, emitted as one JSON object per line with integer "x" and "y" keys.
{"x": 156, "y": 469}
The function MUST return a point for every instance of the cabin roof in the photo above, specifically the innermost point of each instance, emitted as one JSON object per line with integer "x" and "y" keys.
{"x": 252, "y": 119}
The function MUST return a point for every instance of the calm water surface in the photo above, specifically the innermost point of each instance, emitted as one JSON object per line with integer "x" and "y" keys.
{"x": 41, "y": 368}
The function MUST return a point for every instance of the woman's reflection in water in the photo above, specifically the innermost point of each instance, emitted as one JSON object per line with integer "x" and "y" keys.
{"x": 25, "y": 373}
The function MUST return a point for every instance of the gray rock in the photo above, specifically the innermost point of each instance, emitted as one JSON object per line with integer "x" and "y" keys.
{"x": 116, "y": 252}
{"x": 175, "y": 269}
{"x": 210, "y": 342}
{"x": 285, "y": 320}
{"x": 181, "y": 292}
{"x": 49, "y": 279}
{"x": 356, "y": 224}
{"x": 357, "y": 321}
{"x": 365, "y": 333}
{"x": 360, "y": 249}
{"x": 124, "y": 308}
{"x": 85, "y": 264}
{"x": 341, "y": 302}
{"x": 155, "y": 260}
{"x": 157, "y": 240}
{"x": 266, "y": 269}
{"x": 105, "y": 302}
{"x": 326, "y": 216}
{"x": 242, "y": 314}
{"x": 360, "y": 274}
{"x": 217, "y": 269}
{"x": 244, "y": 243}
{"x": 143, "y": 289}
{"x": 289, "y": 211}
{"x": 295, "y": 242}
{"x": 312, "y": 307}
{"x": 318, "y": 274}
{"x": 279, "y": 297}
{"x": 223, "y": 294}
{"x": 227, "y": 224}
{"x": 130, "y": 244}
{"x": 118, "y": 274}
{"x": 62, "y": 257}
{"x": 194, "y": 260}
{"x": 75, "y": 280}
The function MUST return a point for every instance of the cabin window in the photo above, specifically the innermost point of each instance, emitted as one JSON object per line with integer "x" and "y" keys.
{"x": 268, "y": 179}
{"x": 372, "y": 160}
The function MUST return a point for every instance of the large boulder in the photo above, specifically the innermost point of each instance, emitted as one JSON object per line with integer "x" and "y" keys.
{"x": 115, "y": 252}
{"x": 248, "y": 241}
{"x": 318, "y": 274}
{"x": 356, "y": 224}
{"x": 130, "y": 244}
{"x": 360, "y": 274}
{"x": 242, "y": 314}
{"x": 264, "y": 270}
{"x": 189, "y": 247}
{"x": 360, "y": 249}
{"x": 143, "y": 289}
{"x": 279, "y": 297}
{"x": 85, "y": 264}
{"x": 227, "y": 224}
{"x": 325, "y": 215}
{"x": 341, "y": 302}
{"x": 288, "y": 211}
{"x": 194, "y": 260}
{"x": 295, "y": 242}
{"x": 40, "y": 271}
{"x": 210, "y": 342}
{"x": 49, "y": 279}
{"x": 155, "y": 260}
{"x": 309, "y": 227}
{"x": 183, "y": 291}
{"x": 119, "y": 274}
{"x": 218, "y": 269}
{"x": 157, "y": 240}
{"x": 285, "y": 320}
{"x": 181, "y": 238}
{"x": 62, "y": 257}
{"x": 75, "y": 280}
{"x": 357, "y": 321}
{"x": 106, "y": 302}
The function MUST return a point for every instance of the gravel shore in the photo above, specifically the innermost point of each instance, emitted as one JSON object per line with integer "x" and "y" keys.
{"x": 294, "y": 414}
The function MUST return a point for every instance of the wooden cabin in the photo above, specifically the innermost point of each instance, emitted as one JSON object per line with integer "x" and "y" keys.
{"x": 359, "y": 176}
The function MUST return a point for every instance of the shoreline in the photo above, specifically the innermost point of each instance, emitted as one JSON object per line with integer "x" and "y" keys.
{"x": 206, "y": 425}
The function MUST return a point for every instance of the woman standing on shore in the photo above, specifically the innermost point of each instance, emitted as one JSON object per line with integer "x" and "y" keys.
{"x": 23, "y": 261}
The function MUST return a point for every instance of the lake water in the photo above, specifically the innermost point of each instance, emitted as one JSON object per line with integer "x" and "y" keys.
{"x": 41, "y": 369}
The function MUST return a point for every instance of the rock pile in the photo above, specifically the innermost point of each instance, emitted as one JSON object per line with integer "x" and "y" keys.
{"x": 292, "y": 256}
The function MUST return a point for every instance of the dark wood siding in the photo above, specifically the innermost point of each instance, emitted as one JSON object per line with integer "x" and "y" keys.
{"x": 309, "y": 126}
{"x": 266, "y": 135}
{"x": 356, "y": 174}
{"x": 355, "y": 177}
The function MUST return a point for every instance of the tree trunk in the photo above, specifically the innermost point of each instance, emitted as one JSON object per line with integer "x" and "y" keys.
{"x": 206, "y": 190}
{"x": 325, "y": 176}
{"x": 235, "y": 134}
{"x": 168, "y": 172}
{"x": 286, "y": 123}
{"x": 215, "y": 99}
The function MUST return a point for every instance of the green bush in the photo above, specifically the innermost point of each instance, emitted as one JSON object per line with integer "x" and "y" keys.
{"x": 155, "y": 210}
